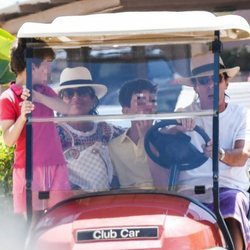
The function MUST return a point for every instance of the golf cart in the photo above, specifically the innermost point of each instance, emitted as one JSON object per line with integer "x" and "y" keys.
{"x": 136, "y": 216}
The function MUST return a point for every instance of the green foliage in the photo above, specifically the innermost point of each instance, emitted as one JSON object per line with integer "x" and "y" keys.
{"x": 6, "y": 161}
{"x": 6, "y": 40}
{"x": 237, "y": 57}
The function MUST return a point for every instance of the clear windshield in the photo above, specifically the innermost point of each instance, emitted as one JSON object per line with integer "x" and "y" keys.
{"x": 91, "y": 134}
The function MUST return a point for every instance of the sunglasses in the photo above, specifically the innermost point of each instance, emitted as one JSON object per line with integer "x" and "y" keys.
{"x": 205, "y": 80}
{"x": 83, "y": 91}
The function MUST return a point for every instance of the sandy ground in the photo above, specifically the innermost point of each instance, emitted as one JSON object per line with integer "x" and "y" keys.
{"x": 12, "y": 227}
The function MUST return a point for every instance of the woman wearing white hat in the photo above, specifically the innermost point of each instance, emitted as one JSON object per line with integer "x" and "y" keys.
{"x": 85, "y": 142}
{"x": 233, "y": 179}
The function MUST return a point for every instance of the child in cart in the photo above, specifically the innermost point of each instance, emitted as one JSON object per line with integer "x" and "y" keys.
{"x": 49, "y": 166}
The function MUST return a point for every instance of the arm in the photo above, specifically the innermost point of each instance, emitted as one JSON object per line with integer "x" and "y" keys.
{"x": 159, "y": 174}
{"x": 54, "y": 103}
{"x": 236, "y": 157}
{"x": 12, "y": 129}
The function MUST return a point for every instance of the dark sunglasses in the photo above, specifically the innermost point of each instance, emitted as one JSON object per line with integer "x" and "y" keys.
{"x": 82, "y": 91}
{"x": 204, "y": 80}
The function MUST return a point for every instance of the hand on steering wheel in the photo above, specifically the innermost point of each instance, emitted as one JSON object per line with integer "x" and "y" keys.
{"x": 174, "y": 149}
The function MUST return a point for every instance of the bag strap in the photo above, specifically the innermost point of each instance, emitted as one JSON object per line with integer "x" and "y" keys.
{"x": 66, "y": 129}
{"x": 96, "y": 149}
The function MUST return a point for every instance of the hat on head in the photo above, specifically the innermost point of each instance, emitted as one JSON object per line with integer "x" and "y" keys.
{"x": 203, "y": 65}
{"x": 80, "y": 77}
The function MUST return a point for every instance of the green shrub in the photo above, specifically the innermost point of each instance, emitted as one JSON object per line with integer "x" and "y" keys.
{"x": 6, "y": 161}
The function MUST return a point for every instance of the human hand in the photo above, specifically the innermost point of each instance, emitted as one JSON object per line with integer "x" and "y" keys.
{"x": 25, "y": 94}
{"x": 187, "y": 124}
{"x": 26, "y": 106}
{"x": 208, "y": 149}
{"x": 143, "y": 127}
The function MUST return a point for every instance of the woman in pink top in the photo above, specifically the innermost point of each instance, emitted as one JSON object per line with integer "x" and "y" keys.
{"x": 49, "y": 166}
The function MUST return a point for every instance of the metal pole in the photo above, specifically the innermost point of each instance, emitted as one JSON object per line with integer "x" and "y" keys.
{"x": 216, "y": 47}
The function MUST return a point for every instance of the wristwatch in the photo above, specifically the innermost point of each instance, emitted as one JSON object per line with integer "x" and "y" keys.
{"x": 221, "y": 154}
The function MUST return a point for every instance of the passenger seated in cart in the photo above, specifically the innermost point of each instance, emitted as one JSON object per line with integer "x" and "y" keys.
{"x": 127, "y": 151}
{"x": 49, "y": 167}
{"x": 85, "y": 142}
{"x": 233, "y": 179}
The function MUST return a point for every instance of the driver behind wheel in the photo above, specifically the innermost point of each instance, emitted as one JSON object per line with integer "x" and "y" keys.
{"x": 233, "y": 179}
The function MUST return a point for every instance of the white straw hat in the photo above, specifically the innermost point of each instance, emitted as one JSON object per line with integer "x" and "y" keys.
{"x": 203, "y": 65}
{"x": 80, "y": 77}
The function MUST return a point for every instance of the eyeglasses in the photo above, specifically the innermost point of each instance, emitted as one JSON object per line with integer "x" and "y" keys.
{"x": 83, "y": 91}
{"x": 204, "y": 80}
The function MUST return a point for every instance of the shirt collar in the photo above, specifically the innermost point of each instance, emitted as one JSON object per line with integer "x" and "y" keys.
{"x": 124, "y": 136}
{"x": 17, "y": 89}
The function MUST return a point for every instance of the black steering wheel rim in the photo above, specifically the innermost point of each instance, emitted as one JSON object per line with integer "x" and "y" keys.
{"x": 196, "y": 157}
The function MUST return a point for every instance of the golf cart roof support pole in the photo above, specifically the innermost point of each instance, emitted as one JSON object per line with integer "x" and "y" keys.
{"x": 28, "y": 169}
{"x": 216, "y": 47}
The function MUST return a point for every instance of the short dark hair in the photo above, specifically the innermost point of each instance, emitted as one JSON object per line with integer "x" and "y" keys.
{"x": 18, "y": 54}
{"x": 134, "y": 87}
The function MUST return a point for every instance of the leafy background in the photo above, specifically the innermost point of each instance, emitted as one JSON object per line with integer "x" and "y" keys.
{"x": 6, "y": 161}
{"x": 6, "y": 40}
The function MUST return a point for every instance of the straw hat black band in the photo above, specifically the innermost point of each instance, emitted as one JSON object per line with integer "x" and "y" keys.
{"x": 74, "y": 82}
{"x": 203, "y": 65}
{"x": 78, "y": 77}
{"x": 205, "y": 68}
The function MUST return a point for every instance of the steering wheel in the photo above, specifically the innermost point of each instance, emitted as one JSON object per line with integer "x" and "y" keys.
{"x": 174, "y": 151}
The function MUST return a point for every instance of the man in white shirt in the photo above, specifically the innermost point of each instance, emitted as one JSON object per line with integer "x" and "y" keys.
{"x": 233, "y": 178}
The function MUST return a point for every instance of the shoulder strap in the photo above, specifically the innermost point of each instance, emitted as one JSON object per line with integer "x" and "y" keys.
{"x": 66, "y": 129}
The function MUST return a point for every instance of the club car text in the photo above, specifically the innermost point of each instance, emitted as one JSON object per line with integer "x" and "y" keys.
{"x": 117, "y": 233}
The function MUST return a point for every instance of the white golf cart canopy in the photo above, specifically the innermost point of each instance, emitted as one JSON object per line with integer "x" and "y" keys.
{"x": 117, "y": 48}
{"x": 138, "y": 27}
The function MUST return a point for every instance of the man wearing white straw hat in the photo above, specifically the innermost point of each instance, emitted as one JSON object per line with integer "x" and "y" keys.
{"x": 233, "y": 178}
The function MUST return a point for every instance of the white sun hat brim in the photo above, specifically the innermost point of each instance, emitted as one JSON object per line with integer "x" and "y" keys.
{"x": 100, "y": 89}
{"x": 78, "y": 77}
{"x": 231, "y": 72}
{"x": 203, "y": 65}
